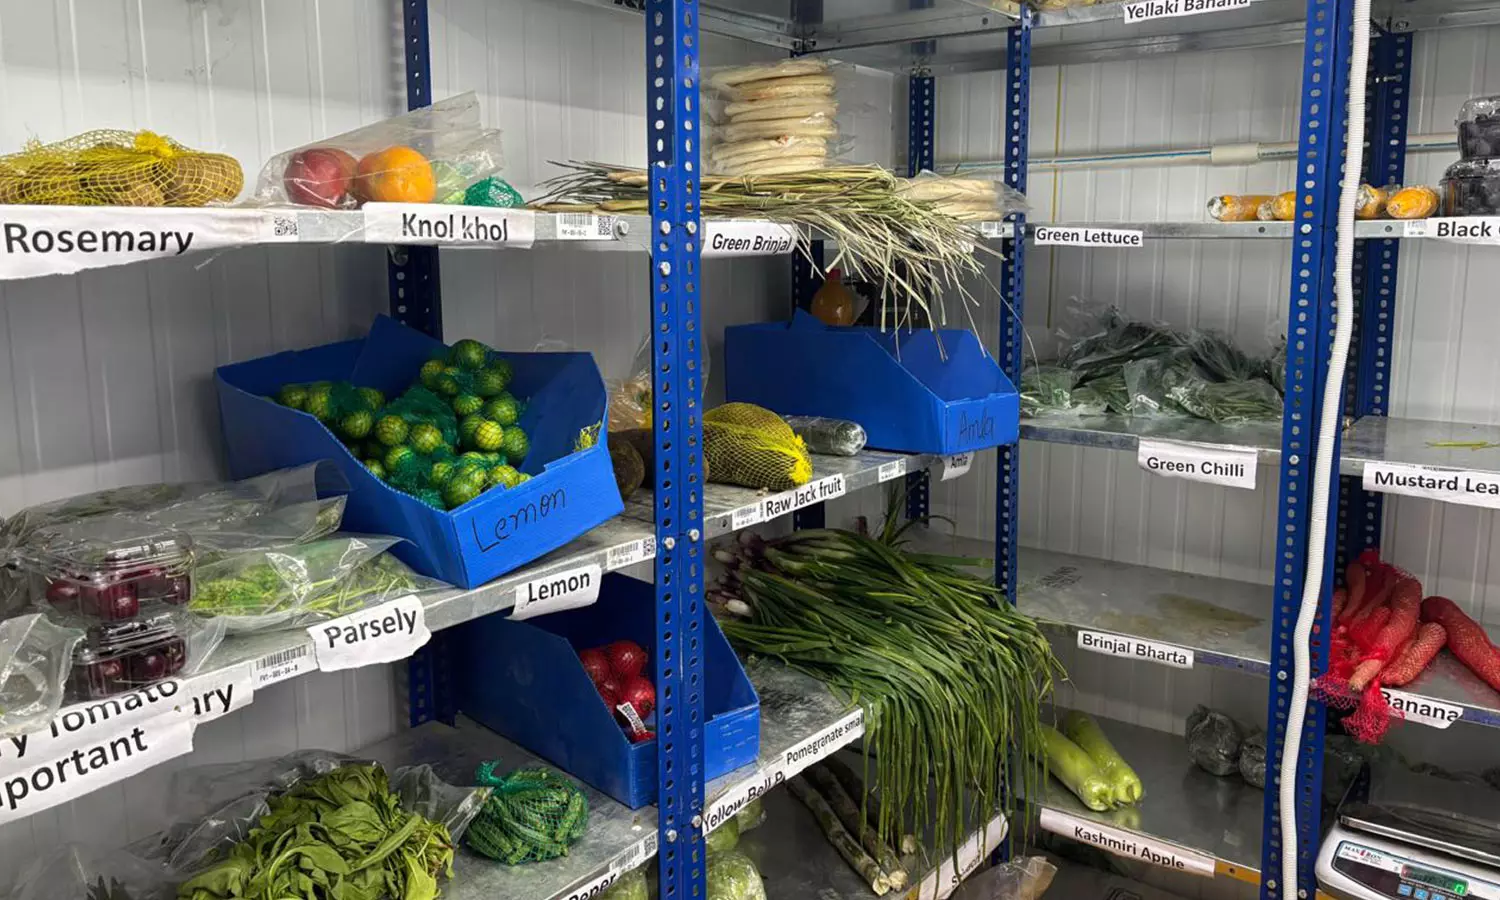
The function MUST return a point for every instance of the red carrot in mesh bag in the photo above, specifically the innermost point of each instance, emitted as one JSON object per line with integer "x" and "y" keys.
{"x": 1401, "y": 624}
{"x": 1467, "y": 639}
{"x": 1413, "y": 658}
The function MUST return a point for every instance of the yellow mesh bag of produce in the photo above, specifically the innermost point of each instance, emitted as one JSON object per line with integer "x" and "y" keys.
{"x": 118, "y": 168}
{"x": 747, "y": 445}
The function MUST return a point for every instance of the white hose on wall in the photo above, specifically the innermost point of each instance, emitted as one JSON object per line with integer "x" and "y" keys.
{"x": 1328, "y": 424}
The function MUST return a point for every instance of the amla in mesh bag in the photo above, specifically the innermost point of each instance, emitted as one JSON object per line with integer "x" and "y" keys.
{"x": 118, "y": 168}
{"x": 751, "y": 446}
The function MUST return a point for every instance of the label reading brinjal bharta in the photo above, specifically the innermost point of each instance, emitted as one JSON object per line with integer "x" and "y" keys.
{"x": 1227, "y": 466}
{"x": 1146, "y": 10}
{"x": 568, "y": 589}
{"x": 1447, "y": 485}
{"x": 435, "y": 223}
{"x": 1135, "y": 648}
{"x": 1127, "y": 844}
{"x": 390, "y": 632}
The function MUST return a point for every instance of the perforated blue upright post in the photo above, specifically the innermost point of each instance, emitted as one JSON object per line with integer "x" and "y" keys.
{"x": 1310, "y": 324}
{"x": 672, "y": 151}
{"x": 921, "y": 115}
{"x": 1015, "y": 133}
{"x": 415, "y": 298}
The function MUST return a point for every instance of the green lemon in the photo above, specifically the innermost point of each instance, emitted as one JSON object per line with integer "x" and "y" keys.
{"x": 391, "y": 430}
{"x": 506, "y": 476}
{"x": 398, "y": 458}
{"x": 467, "y": 405}
{"x": 426, "y": 438}
{"x": 432, "y": 498}
{"x": 515, "y": 444}
{"x": 466, "y": 427}
{"x": 469, "y": 354}
{"x": 489, "y": 381}
{"x": 376, "y": 468}
{"x": 489, "y": 436}
{"x": 439, "y": 473}
{"x": 460, "y": 491}
{"x": 373, "y": 398}
{"x": 503, "y": 409}
{"x": 430, "y": 372}
{"x": 356, "y": 426}
{"x": 293, "y": 395}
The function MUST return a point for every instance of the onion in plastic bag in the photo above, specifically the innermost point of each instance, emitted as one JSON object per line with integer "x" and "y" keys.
{"x": 1213, "y": 741}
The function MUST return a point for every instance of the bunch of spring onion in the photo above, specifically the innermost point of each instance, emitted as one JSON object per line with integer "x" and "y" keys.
{"x": 952, "y": 677}
{"x": 911, "y": 238}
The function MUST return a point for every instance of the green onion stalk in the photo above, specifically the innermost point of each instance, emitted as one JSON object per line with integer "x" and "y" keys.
{"x": 951, "y": 676}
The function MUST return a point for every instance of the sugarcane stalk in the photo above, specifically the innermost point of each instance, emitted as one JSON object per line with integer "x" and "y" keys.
{"x": 854, "y": 786}
{"x": 839, "y": 837}
{"x": 843, "y": 806}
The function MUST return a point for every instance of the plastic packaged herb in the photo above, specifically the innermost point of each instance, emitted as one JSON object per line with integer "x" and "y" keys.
{"x": 35, "y": 655}
{"x": 1047, "y": 389}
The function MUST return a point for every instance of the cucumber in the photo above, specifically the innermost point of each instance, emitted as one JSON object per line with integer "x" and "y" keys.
{"x": 1071, "y": 765}
{"x": 1085, "y": 732}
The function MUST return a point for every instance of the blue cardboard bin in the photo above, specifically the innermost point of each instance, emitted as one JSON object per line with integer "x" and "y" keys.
{"x": 569, "y": 492}
{"x": 524, "y": 680}
{"x": 900, "y": 387}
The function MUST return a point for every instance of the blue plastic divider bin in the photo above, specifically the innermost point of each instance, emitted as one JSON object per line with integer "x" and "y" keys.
{"x": 569, "y": 492}
{"x": 907, "y": 397}
{"x": 524, "y": 680}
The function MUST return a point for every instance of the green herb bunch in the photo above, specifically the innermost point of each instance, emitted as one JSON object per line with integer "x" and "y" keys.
{"x": 340, "y": 836}
{"x": 331, "y": 577}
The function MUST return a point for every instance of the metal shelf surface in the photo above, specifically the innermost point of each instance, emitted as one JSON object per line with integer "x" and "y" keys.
{"x": 1126, "y": 432}
{"x": 1377, "y": 439}
{"x": 1211, "y": 230}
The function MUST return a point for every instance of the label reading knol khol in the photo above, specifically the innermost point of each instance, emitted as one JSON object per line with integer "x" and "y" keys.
{"x": 1228, "y": 466}
{"x": 390, "y": 632}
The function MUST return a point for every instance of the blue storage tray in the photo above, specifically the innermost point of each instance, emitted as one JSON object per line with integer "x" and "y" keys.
{"x": 908, "y": 398}
{"x": 524, "y": 680}
{"x": 568, "y": 494}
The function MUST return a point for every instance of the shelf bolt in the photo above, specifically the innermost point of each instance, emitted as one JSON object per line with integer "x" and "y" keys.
{"x": 1295, "y": 459}
{"x": 1281, "y": 675}
{"x": 622, "y": 227}
{"x": 665, "y": 268}
{"x": 693, "y": 534}
{"x": 697, "y": 821}
{"x": 665, "y": 227}
{"x": 692, "y": 227}
{"x": 668, "y": 542}
{"x": 1302, "y": 892}
{"x": 671, "y": 835}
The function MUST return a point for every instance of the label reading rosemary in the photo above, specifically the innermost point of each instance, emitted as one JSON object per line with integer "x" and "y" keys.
{"x": 584, "y": 227}
{"x": 568, "y": 589}
{"x": 284, "y": 664}
{"x": 745, "y": 516}
{"x": 1146, "y": 10}
{"x": 807, "y": 495}
{"x": 631, "y": 553}
{"x": 1088, "y": 237}
{"x": 1135, "y": 648}
{"x": 956, "y": 465}
{"x": 54, "y": 240}
{"x": 386, "y": 633}
{"x": 1227, "y": 466}
{"x": 434, "y": 223}
{"x": 1127, "y": 844}
{"x": 748, "y": 238}
{"x": 1422, "y": 710}
{"x": 893, "y": 469}
{"x": 1467, "y": 230}
{"x": 1447, "y": 485}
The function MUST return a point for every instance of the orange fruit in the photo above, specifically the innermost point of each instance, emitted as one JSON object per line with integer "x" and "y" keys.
{"x": 395, "y": 175}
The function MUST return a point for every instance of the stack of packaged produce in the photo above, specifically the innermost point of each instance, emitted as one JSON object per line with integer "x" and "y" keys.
{"x": 1389, "y": 202}
{"x": 772, "y": 118}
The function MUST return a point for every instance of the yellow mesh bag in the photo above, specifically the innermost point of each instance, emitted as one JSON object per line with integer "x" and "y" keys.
{"x": 747, "y": 445}
{"x": 118, "y": 168}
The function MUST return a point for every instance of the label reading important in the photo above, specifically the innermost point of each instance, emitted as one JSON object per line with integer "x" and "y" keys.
{"x": 807, "y": 495}
{"x": 54, "y": 240}
{"x": 386, "y": 633}
{"x": 284, "y": 664}
{"x": 434, "y": 223}
{"x": 892, "y": 470}
{"x": 1466, "y": 230}
{"x": 1127, "y": 844}
{"x": 956, "y": 465}
{"x": 1088, "y": 237}
{"x": 585, "y": 227}
{"x": 1447, "y": 485}
{"x": 1135, "y": 648}
{"x": 1146, "y": 10}
{"x": 1422, "y": 710}
{"x": 104, "y": 760}
{"x": 630, "y": 554}
{"x": 1228, "y": 466}
{"x": 748, "y": 238}
{"x": 568, "y": 589}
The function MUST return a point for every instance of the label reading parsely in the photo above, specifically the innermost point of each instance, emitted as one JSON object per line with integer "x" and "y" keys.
{"x": 1135, "y": 648}
{"x": 1467, "y": 230}
{"x": 568, "y": 589}
{"x": 956, "y": 465}
{"x": 435, "y": 223}
{"x": 1146, "y": 10}
{"x": 386, "y": 633}
{"x": 813, "y": 492}
{"x": 893, "y": 469}
{"x": 1447, "y": 485}
{"x": 1046, "y": 235}
{"x": 748, "y": 238}
{"x": 1127, "y": 844}
{"x": 1228, "y": 466}
{"x": 1422, "y": 710}
{"x": 630, "y": 554}
{"x": 54, "y": 240}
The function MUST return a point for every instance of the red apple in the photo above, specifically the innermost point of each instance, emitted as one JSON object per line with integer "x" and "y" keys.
{"x": 319, "y": 177}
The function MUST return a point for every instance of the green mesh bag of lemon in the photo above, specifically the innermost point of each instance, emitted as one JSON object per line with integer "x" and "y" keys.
{"x": 451, "y": 436}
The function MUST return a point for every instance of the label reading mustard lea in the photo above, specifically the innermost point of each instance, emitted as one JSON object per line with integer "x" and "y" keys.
{"x": 1447, "y": 485}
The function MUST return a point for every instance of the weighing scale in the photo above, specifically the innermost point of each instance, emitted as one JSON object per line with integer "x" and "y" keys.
{"x": 1416, "y": 838}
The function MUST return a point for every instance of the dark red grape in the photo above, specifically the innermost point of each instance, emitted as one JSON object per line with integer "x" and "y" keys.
{"x": 149, "y": 666}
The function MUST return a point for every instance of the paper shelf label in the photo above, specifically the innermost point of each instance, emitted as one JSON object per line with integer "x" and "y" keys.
{"x": 956, "y": 465}
{"x": 214, "y": 694}
{"x": 1422, "y": 710}
{"x": 643, "y": 850}
{"x": 722, "y": 809}
{"x": 748, "y": 238}
{"x": 1146, "y": 10}
{"x": 434, "y": 223}
{"x": 1135, "y": 648}
{"x": 568, "y": 589}
{"x": 630, "y": 554}
{"x": 823, "y": 744}
{"x": 1447, "y": 485}
{"x": 1227, "y": 466}
{"x": 284, "y": 664}
{"x": 55, "y": 240}
{"x": 746, "y": 516}
{"x": 1127, "y": 844}
{"x": 941, "y": 882}
{"x": 1048, "y": 235}
{"x": 896, "y": 468}
{"x": 811, "y": 493}
{"x": 390, "y": 632}
{"x": 1465, "y": 230}
{"x": 585, "y": 227}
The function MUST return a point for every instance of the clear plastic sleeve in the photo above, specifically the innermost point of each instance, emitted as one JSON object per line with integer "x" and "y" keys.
{"x": 1213, "y": 741}
{"x": 1237, "y": 207}
{"x": 1280, "y": 208}
{"x": 630, "y": 400}
{"x": 772, "y": 118}
{"x": 1479, "y": 128}
{"x": 751, "y": 816}
{"x": 1047, "y": 390}
{"x": 163, "y": 641}
{"x": 1253, "y": 759}
{"x": 436, "y": 154}
{"x": 1471, "y": 187}
{"x": 1228, "y": 402}
{"x": 834, "y": 437}
{"x": 36, "y": 655}
{"x": 1370, "y": 201}
{"x": 969, "y": 198}
{"x": 732, "y": 876}
{"x": 1024, "y": 878}
{"x": 1412, "y": 202}
{"x": 81, "y": 872}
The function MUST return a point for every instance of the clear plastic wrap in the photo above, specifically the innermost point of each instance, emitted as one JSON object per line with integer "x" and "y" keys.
{"x": 1227, "y": 402}
{"x": 630, "y": 401}
{"x": 751, "y": 816}
{"x": 972, "y": 197}
{"x": 1213, "y": 741}
{"x": 771, "y": 118}
{"x": 633, "y": 885}
{"x": 1047, "y": 390}
{"x": 1023, "y": 878}
{"x": 80, "y": 872}
{"x": 36, "y": 655}
{"x": 1471, "y": 187}
{"x": 1280, "y": 208}
{"x": 163, "y": 641}
{"x": 1479, "y": 127}
{"x": 1253, "y": 759}
{"x": 1412, "y": 202}
{"x": 1237, "y": 207}
{"x": 835, "y": 437}
{"x": 435, "y": 154}
{"x": 1370, "y": 201}
{"x": 732, "y": 876}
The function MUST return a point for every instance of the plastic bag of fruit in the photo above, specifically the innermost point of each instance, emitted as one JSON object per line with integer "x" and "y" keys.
{"x": 35, "y": 657}
{"x": 161, "y": 641}
{"x": 436, "y": 154}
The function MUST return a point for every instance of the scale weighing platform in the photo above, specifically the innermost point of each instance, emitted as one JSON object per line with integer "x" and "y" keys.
{"x": 1416, "y": 838}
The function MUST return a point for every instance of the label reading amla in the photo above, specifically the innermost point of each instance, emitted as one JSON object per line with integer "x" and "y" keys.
{"x": 432, "y": 223}
{"x": 1146, "y": 10}
{"x": 1135, "y": 648}
{"x": 956, "y": 465}
{"x": 386, "y": 633}
{"x": 568, "y": 589}
{"x": 1127, "y": 844}
{"x": 1228, "y": 466}
{"x": 1447, "y": 485}
{"x": 1087, "y": 237}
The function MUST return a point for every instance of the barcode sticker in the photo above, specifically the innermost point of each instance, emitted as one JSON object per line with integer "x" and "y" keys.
{"x": 281, "y": 226}
{"x": 631, "y": 553}
{"x": 283, "y": 664}
{"x": 745, "y": 516}
{"x": 585, "y": 227}
{"x": 995, "y": 229}
{"x": 893, "y": 469}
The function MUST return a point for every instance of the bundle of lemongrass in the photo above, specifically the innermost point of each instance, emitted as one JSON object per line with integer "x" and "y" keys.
{"x": 951, "y": 676}
{"x": 914, "y": 239}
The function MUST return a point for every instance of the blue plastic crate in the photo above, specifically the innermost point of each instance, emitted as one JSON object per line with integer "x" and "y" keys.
{"x": 937, "y": 392}
{"x": 524, "y": 680}
{"x": 568, "y": 494}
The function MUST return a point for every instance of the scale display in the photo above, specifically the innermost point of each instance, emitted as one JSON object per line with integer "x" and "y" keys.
{"x": 1373, "y": 872}
{"x": 1441, "y": 880}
